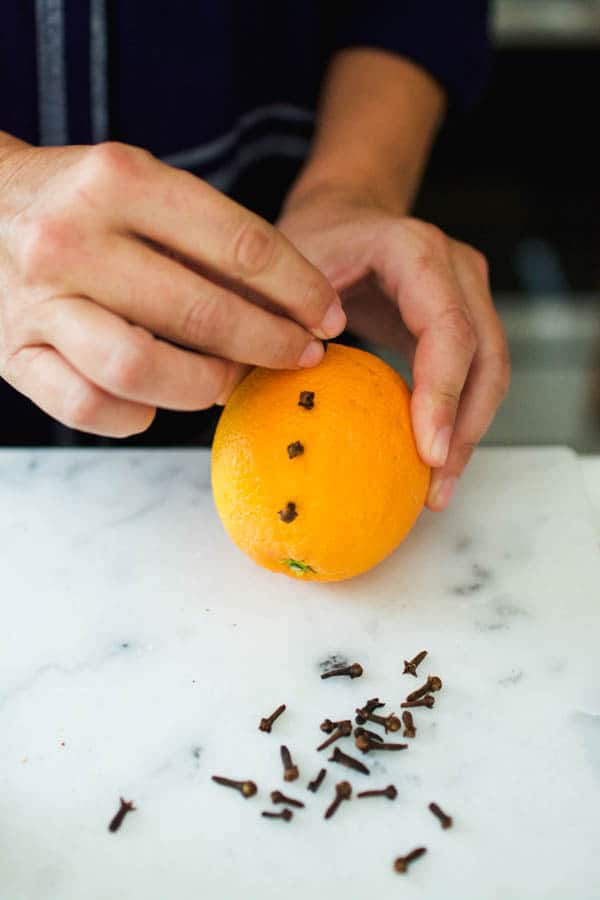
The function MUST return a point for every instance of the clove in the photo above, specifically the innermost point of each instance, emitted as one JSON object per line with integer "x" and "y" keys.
{"x": 246, "y": 788}
{"x": 363, "y": 743}
{"x": 344, "y": 729}
{"x": 372, "y": 735}
{"x": 328, "y": 726}
{"x": 390, "y": 723}
{"x": 288, "y": 513}
{"x": 295, "y": 449}
{"x": 278, "y": 797}
{"x": 343, "y": 791}
{"x": 307, "y": 399}
{"x": 410, "y": 666}
{"x": 354, "y": 671}
{"x": 117, "y": 820}
{"x": 410, "y": 729}
{"x": 433, "y": 683}
{"x": 390, "y": 792}
{"x": 290, "y": 771}
{"x": 369, "y": 707}
{"x": 344, "y": 760}
{"x": 267, "y": 722}
{"x": 317, "y": 782}
{"x": 445, "y": 820}
{"x": 428, "y": 700}
{"x": 402, "y": 863}
{"x": 285, "y": 814}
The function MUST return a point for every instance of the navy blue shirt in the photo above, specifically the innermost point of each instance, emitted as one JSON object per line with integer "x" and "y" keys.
{"x": 174, "y": 76}
{"x": 216, "y": 86}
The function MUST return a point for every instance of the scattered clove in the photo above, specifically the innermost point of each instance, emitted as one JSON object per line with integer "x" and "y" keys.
{"x": 117, "y": 820}
{"x": 410, "y": 666}
{"x": 285, "y": 814}
{"x": 307, "y": 399}
{"x": 317, "y": 782}
{"x": 354, "y": 671}
{"x": 246, "y": 788}
{"x": 428, "y": 700}
{"x": 372, "y": 735}
{"x": 295, "y": 449}
{"x": 445, "y": 820}
{"x": 433, "y": 683}
{"x": 344, "y": 729}
{"x": 369, "y": 707}
{"x": 402, "y": 863}
{"x": 290, "y": 771}
{"x": 343, "y": 791}
{"x": 267, "y": 722}
{"x": 410, "y": 729}
{"x": 364, "y": 744}
{"x": 288, "y": 513}
{"x": 328, "y": 726}
{"x": 390, "y": 723}
{"x": 278, "y": 797}
{"x": 390, "y": 792}
{"x": 344, "y": 760}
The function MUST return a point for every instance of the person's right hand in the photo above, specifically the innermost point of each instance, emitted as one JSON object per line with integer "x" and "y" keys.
{"x": 127, "y": 285}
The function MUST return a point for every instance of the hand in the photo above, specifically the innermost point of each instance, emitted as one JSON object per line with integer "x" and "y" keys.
{"x": 407, "y": 286}
{"x": 126, "y": 285}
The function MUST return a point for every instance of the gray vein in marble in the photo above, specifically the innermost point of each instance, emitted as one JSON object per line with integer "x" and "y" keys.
{"x": 513, "y": 678}
{"x": 481, "y": 575}
{"x": 27, "y": 684}
{"x": 333, "y": 661}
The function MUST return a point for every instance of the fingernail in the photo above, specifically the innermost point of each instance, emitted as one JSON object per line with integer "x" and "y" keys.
{"x": 313, "y": 353}
{"x": 440, "y": 445}
{"x": 442, "y": 492}
{"x": 333, "y": 322}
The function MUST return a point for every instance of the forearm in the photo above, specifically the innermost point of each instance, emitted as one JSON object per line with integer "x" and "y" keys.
{"x": 378, "y": 116}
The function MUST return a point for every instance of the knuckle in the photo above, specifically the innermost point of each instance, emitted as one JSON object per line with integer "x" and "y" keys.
{"x": 42, "y": 247}
{"x": 254, "y": 248}
{"x": 456, "y": 321}
{"x": 448, "y": 395}
{"x": 202, "y": 319}
{"x": 81, "y": 407}
{"x": 432, "y": 247}
{"x": 128, "y": 366}
{"x": 114, "y": 163}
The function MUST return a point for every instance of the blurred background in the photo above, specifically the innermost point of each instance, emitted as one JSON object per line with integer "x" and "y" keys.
{"x": 520, "y": 179}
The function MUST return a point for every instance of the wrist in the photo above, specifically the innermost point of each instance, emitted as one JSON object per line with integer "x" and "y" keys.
{"x": 326, "y": 182}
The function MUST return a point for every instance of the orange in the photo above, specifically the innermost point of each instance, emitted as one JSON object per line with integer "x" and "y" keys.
{"x": 325, "y": 490}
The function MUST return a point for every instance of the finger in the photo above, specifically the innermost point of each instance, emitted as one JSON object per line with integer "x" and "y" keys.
{"x": 183, "y": 213}
{"x": 127, "y": 362}
{"x": 162, "y": 295}
{"x": 55, "y": 386}
{"x": 486, "y": 384}
{"x": 416, "y": 268}
{"x": 446, "y": 344}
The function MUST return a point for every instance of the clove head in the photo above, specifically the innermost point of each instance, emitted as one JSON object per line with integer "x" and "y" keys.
{"x": 343, "y": 790}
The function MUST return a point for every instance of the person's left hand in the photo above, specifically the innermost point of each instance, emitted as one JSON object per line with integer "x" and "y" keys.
{"x": 408, "y": 286}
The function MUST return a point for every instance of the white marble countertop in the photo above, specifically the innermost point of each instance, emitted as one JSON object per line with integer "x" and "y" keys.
{"x": 140, "y": 649}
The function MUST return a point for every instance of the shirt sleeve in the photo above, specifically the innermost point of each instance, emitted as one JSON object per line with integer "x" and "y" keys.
{"x": 448, "y": 38}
